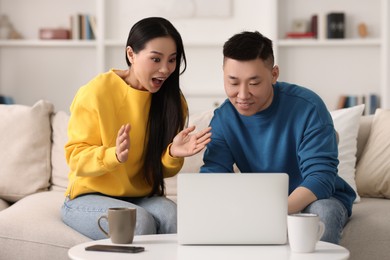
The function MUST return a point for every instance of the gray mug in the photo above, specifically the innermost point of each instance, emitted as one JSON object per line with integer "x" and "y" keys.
{"x": 121, "y": 224}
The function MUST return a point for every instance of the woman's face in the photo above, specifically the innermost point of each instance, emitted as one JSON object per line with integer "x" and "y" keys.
{"x": 151, "y": 66}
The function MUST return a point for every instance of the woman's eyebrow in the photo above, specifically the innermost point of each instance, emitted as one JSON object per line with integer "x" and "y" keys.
{"x": 160, "y": 53}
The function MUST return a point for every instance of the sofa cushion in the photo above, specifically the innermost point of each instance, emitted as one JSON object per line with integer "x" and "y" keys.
{"x": 346, "y": 122}
{"x": 364, "y": 132}
{"x": 366, "y": 234}
{"x": 3, "y": 204}
{"x": 373, "y": 168}
{"x": 25, "y": 155}
{"x": 32, "y": 229}
{"x": 60, "y": 169}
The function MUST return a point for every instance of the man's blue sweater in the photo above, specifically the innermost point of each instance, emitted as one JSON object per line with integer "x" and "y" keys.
{"x": 295, "y": 135}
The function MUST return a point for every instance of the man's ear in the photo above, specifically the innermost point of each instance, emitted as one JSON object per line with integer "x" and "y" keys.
{"x": 275, "y": 74}
{"x": 130, "y": 54}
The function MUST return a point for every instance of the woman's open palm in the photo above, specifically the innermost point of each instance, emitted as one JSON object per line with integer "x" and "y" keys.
{"x": 187, "y": 143}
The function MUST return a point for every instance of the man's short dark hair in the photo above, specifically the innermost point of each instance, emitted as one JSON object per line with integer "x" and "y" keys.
{"x": 247, "y": 45}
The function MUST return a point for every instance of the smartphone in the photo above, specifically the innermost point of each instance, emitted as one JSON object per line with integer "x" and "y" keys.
{"x": 116, "y": 249}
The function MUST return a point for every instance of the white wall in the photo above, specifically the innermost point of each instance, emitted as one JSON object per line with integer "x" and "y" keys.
{"x": 203, "y": 38}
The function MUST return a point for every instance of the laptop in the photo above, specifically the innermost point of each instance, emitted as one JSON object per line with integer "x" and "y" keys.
{"x": 232, "y": 208}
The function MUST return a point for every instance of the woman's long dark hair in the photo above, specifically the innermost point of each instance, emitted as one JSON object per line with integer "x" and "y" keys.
{"x": 166, "y": 117}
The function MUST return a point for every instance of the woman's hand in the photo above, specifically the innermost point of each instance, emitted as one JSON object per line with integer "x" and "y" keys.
{"x": 187, "y": 144}
{"x": 123, "y": 143}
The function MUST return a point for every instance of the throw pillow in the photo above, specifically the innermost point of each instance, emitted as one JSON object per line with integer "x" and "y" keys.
{"x": 25, "y": 155}
{"x": 60, "y": 169}
{"x": 191, "y": 164}
{"x": 373, "y": 169}
{"x": 3, "y": 204}
{"x": 346, "y": 122}
{"x": 200, "y": 120}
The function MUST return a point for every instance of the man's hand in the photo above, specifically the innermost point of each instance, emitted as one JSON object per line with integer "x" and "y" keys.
{"x": 123, "y": 143}
{"x": 187, "y": 144}
{"x": 299, "y": 199}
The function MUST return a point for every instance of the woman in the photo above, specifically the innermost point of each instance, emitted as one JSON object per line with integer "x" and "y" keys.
{"x": 125, "y": 135}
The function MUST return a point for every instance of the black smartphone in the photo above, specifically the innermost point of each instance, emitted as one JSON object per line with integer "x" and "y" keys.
{"x": 116, "y": 249}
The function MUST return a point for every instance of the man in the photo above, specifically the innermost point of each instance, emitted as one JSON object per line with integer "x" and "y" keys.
{"x": 271, "y": 126}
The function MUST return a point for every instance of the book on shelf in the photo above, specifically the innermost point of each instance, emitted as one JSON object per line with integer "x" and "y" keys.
{"x": 6, "y": 100}
{"x": 298, "y": 35}
{"x": 83, "y": 27}
{"x": 314, "y": 25}
{"x": 371, "y": 102}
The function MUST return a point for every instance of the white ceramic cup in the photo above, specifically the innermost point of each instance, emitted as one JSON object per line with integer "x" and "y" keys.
{"x": 304, "y": 231}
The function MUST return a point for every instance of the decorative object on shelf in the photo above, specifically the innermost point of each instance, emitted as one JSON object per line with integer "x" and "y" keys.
{"x": 14, "y": 34}
{"x": 5, "y": 27}
{"x": 301, "y": 29}
{"x": 7, "y": 30}
{"x": 54, "y": 34}
{"x": 362, "y": 29}
{"x": 335, "y": 25}
{"x": 300, "y": 26}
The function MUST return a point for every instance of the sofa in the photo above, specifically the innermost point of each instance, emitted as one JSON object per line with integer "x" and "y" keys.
{"x": 33, "y": 178}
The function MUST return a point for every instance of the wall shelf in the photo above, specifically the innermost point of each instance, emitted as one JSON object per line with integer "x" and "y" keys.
{"x": 47, "y": 43}
{"x": 328, "y": 43}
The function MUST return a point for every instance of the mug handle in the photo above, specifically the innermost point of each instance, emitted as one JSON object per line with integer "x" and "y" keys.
{"x": 321, "y": 230}
{"x": 100, "y": 227}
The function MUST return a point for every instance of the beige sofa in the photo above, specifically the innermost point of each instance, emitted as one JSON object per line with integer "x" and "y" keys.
{"x": 33, "y": 177}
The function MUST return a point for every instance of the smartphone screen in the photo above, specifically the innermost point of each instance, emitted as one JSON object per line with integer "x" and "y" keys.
{"x": 116, "y": 249}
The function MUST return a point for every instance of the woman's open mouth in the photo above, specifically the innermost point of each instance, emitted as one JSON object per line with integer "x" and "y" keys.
{"x": 157, "y": 82}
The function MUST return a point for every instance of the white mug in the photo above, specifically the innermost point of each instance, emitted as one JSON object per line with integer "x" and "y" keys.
{"x": 304, "y": 231}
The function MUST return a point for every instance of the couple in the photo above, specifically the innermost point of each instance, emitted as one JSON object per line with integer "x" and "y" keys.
{"x": 127, "y": 133}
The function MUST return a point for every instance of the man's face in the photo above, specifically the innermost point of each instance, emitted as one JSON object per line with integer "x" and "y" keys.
{"x": 248, "y": 84}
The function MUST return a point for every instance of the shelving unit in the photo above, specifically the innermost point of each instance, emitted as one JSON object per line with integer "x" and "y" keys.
{"x": 32, "y": 69}
{"x": 335, "y": 67}
{"x": 75, "y": 62}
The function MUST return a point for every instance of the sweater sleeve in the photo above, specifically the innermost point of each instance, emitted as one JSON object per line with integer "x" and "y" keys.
{"x": 171, "y": 165}
{"x": 85, "y": 153}
{"x": 318, "y": 161}
{"x": 217, "y": 157}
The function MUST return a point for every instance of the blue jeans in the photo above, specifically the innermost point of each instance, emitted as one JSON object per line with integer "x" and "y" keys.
{"x": 155, "y": 215}
{"x": 334, "y": 215}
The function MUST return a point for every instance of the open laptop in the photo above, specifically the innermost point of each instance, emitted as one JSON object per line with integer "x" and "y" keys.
{"x": 232, "y": 208}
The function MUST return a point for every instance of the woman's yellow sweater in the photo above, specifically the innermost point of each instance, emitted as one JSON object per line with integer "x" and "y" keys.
{"x": 98, "y": 111}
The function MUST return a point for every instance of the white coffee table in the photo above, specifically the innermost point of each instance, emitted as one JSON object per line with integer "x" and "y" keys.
{"x": 165, "y": 247}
